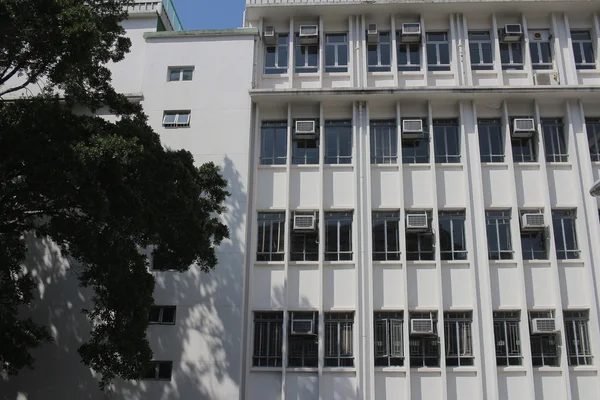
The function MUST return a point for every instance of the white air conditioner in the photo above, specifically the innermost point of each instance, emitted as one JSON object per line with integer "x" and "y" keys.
{"x": 304, "y": 222}
{"x": 302, "y": 326}
{"x": 532, "y": 221}
{"x": 309, "y": 34}
{"x": 421, "y": 326}
{"x": 523, "y": 127}
{"x": 411, "y": 32}
{"x": 305, "y": 129}
{"x": 412, "y": 129}
{"x": 417, "y": 222}
{"x": 543, "y": 325}
{"x": 546, "y": 78}
{"x": 512, "y": 33}
{"x": 372, "y": 34}
{"x": 269, "y": 35}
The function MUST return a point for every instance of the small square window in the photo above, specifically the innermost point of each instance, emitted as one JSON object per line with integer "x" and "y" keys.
{"x": 174, "y": 74}
{"x": 187, "y": 74}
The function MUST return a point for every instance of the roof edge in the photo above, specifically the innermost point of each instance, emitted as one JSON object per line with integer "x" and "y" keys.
{"x": 202, "y": 33}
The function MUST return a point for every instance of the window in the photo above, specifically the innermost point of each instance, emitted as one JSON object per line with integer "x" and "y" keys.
{"x": 271, "y": 236}
{"x": 273, "y": 149}
{"x": 511, "y": 55}
{"x": 338, "y": 142}
{"x": 452, "y": 235}
{"x": 523, "y": 149}
{"x": 424, "y": 349}
{"x": 498, "y": 235}
{"x": 419, "y": 245}
{"x": 416, "y": 151}
{"x": 268, "y": 338}
{"x": 336, "y": 52}
{"x": 480, "y": 47}
{"x": 583, "y": 50}
{"x": 162, "y": 315}
{"x": 384, "y": 142}
{"x": 159, "y": 371}
{"x": 579, "y": 350}
{"x": 338, "y": 236}
{"x": 459, "y": 342}
{"x": 176, "y": 119}
{"x": 386, "y": 235}
{"x": 507, "y": 338}
{"x": 181, "y": 74}
{"x": 438, "y": 51}
{"x": 533, "y": 243}
{"x": 303, "y": 349}
{"x": 379, "y": 55}
{"x": 491, "y": 145}
{"x": 593, "y": 131}
{"x": 305, "y": 151}
{"x": 565, "y": 236}
{"x": 304, "y": 245}
{"x": 446, "y": 140}
{"x": 540, "y": 50}
{"x": 339, "y": 339}
{"x": 554, "y": 140}
{"x": 276, "y": 56}
{"x": 544, "y": 347}
{"x": 409, "y": 55}
{"x": 306, "y": 57}
{"x": 389, "y": 343}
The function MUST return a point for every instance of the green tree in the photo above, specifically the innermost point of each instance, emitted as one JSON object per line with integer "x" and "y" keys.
{"x": 100, "y": 190}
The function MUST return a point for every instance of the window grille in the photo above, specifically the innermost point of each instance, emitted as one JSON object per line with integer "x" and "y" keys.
{"x": 424, "y": 349}
{"x": 386, "y": 235}
{"x": 507, "y": 337}
{"x": 480, "y": 47}
{"x": 579, "y": 351}
{"x": 459, "y": 341}
{"x": 565, "y": 234}
{"x": 452, "y": 235}
{"x": 592, "y": 126}
{"x": 491, "y": 143}
{"x": 438, "y": 51}
{"x": 555, "y": 142}
{"x": 339, "y": 339}
{"x": 389, "y": 339}
{"x": 336, "y": 52}
{"x": 303, "y": 350}
{"x": 384, "y": 142}
{"x": 379, "y": 55}
{"x": 498, "y": 235}
{"x": 338, "y": 142}
{"x": 338, "y": 236}
{"x": 544, "y": 347}
{"x": 268, "y": 338}
{"x": 276, "y": 56}
{"x": 273, "y": 146}
{"x": 271, "y": 236}
{"x": 446, "y": 141}
{"x": 583, "y": 50}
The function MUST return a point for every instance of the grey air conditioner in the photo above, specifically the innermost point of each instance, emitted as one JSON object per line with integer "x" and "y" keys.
{"x": 372, "y": 34}
{"x": 302, "y": 326}
{"x": 304, "y": 222}
{"x": 523, "y": 127}
{"x": 305, "y": 129}
{"x": 411, "y": 33}
{"x": 269, "y": 35}
{"x": 543, "y": 325}
{"x": 533, "y": 222}
{"x": 421, "y": 326}
{"x": 417, "y": 222}
{"x": 546, "y": 78}
{"x": 512, "y": 33}
{"x": 412, "y": 129}
{"x": 309, "y": 34}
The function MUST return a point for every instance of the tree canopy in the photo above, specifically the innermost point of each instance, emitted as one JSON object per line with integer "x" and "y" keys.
{"x": 102, "y": 191}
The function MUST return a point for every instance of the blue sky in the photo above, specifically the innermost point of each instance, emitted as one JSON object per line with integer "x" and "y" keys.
{"x": 210, "y": 14}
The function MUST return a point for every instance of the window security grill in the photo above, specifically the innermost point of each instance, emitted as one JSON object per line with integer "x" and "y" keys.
{"x": 339, "y": 339}
{"x": 276, "y": 55}
{"x": 507, "y": 337}
{"x": 336, "y": 52}
{"x": 438, "y": 51}
{"x": 273, "y": 143}
{"x": 303, "y": 349}
{"x": 424, "y": 349}
{"x": 498, "y": 235}
{"x": 304, "y": 243}
{"x": 446, "y": 141}
{"x": 459, "y": 341}
{"x": 544, "y": 347}
{"x": 271, "y": 236}
{"x": 389, "y": 339}
{"x": 268, "y": 338}
{"x": 579, "y": 350}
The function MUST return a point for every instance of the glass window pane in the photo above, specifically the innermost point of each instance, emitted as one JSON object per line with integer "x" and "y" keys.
{"x": 385, "y": 54}
{"x": 169, "y": 118}
{"x": 444, "y": 53}
{"x": 168, "y": 315}
{"x": 188, "y": 74}
{"x": 270, "y": 52}
{"x": 343, "y": 54}
{"x": 486, "y": 50}
{"x": 174, "y": 74}
{"x": 588, "y": 52}
{"x": 474, "y": 50}
{"x": 372, "y": 54}
{"x": 517, "y": 53}
{"x": 504, "y": 53}
{"x": 330, "y": 55}
{"x": 432, "y": 54}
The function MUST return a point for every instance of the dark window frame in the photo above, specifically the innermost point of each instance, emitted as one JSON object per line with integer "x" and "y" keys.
{"x": 334, "y": 133}
{"x": 383, "y": 142}
{"x": 425, "y": 241}
{"x": 156, "y": 368}
{"x": 544, "y": 347}
{"x": 338, "y": 251}
{"x": 498, "y": 222}
{"x": 380, "y": 52}
{"x": 278, "y": 143}
{"x": 273, "y": 225}
{"x": 577, "y": 337}
{"x": 337, "y": 48}
{"x": 507, "y": 337}
{"x": 267, "y": 339}
{"x": 388, "y": 340}
{"x": 391, "y": 245}
{"x": 159, "y": 313}
{"x": 303, "y": 350}
{"x": 458, "y": 338}
{"x": 560, "y": 221}
{"x": 491, "y": 140}
{"x": 339, "y": 343}
{"x": 443, "y": 131}
{"x": 424, "y": 349}
{"x": 555, "y": 140}
{"x": 592, "y": 126}
{"x": 457, "y": 221}
{"x": 301, "y": 241}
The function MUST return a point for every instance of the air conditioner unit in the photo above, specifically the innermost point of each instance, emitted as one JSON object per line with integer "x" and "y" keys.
{"x": 372, "y": 34}
{"x": 412, "y": 129}
{"x": 411, "y": 33}
{"x": 512, "y": 33}
{"x": 533, "y": 221}
{"x": 547, "y": 78}
{"x": 543, "y": 325}
{"x": 305, "y": 129}
{"x": 523, "y": 127}
{"x": 304, "y": 222}
{"x": 269, "y": 35}
{"x": 417, "y": 222}
{"x": 421, "y": 326}
{"x": 309, "y": 34}
{"x": 302, "y": 326}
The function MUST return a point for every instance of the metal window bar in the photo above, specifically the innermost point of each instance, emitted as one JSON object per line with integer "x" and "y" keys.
{"x": 507, "y": 337}
{"x": 455, "y": 251}
{"x": 386, "y": 241}
{"x": 583, "y": 50}
{"x": 338, "y": 134}
{"x": 523, "y": 150}
{"x": 383, "y": 50}
{"x": 514, "y": 51}
{"x": 554, "y": 140}
{"x": 498, "y": 226}
{"x": 491, "y": 144}
{"x": 304, "y": 246}
{"x": 337, "y": 45}
{"x": 384, "y": 142}
{"x": 273, "y": 149}
{"x": 442, "y": 131}
{"x": 305, "y": 151}
{"x": 270, "y": 236}
{"x": 424, "y": 350}
{"x": 339, "y": 340}
{"x": 530, "y": 251}
{"x": 303, "y": 350}
{"x": 577, "y": 337}
{"x": 268, "y": 339}
{"x": 435, "y": 45}
{"x": 339, "y": 249}
{"x": 389, "y": 342}
{"x": 565, "y": 235}
{"x": 592, "y": 127}
{"x": 459, "y": 342}
{"x": 544, "y": 350}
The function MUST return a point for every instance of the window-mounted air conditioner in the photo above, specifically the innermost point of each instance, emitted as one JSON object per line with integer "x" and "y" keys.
{"x": 304, "y": 222}
{"x": 543, "y": 325}
{"x": 305, "y": 129}
{"x": 523, "y": 127}
{"x": 417, "y": 222}
{"x": 532, "y": 221}
{"x": 309, "y": 34}
{"x": 546, "y": 78}
{"x": 372, "y": 34}
{"x": 512, "y": 33}
{"x": 411, "y": 32}
{"x": 269, "y": 35}
{"x": 421, "y": 326}
{"x": 302, "y": 326}
{"x": 412, "y": 129}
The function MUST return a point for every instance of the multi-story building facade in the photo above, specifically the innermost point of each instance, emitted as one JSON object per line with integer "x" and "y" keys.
{"x": 410, "y": 214}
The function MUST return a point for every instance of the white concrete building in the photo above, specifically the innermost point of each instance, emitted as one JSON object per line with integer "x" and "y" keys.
{"x": 409, "y": 218}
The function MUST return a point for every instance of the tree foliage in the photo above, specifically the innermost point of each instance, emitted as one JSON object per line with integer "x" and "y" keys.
{"x": 102, "y": 191}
